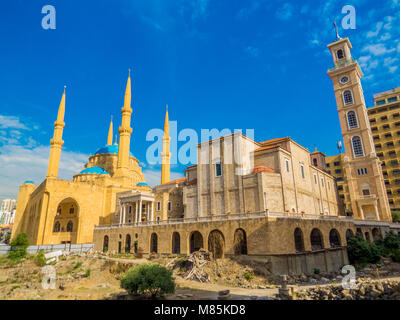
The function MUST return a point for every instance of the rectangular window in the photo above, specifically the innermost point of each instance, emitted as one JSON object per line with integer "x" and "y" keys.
{"x": 322, "y": 182}
{"x": 380, "y": 102}
{"x": 315, "y": 179}
{"x": 178, "y": 204}
{"x": 130, "y": 209}
{"x": 393, "y": 99}
{"x": 287, "y": 165}
{"x": 158, "y": 206}
{"x": 218, "y": 169}
{"x": 338, "y": 171}
{"x": 169, "y": 206}
{"x": 302, "y": 171}
{"x": 337, "y": 163}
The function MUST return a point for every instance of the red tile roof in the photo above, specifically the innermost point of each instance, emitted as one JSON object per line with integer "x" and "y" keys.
{"x": 267, "y": 147}
{"x": 258, "y": 169}
{"x": 174, "y": 181}
{"x": 275, "y": 140}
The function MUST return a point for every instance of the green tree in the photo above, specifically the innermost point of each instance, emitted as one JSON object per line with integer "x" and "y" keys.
{"x": 18, "y": 247}
{"x": 150, "y": 279}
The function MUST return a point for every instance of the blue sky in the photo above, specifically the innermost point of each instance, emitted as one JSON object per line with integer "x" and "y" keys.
{"x": 217, "y": 63}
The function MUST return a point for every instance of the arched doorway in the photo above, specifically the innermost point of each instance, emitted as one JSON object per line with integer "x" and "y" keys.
{"x": 67, "y": 219}
{"x": 154, "y": 243}
{"x": 216, "y": 244}
{"x": 128, "y": 243}
{"x": 105, "y": 244}
{"x": 316, "y": 240}
{"x": 298, "y": 240}
{"x": 176, "y": 243}
{"x": 196, "y": 241}
{"x": 376, "y": 234}
{"x": 349, "y": 234}
{"x": 240, "y": 242}
{"x": 334, "y": 238}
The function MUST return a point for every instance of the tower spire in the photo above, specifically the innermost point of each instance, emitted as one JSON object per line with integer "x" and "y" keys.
{"x": 125, "y": 132}
{"x": 56, "y": 143}
{"x": 165, "y": 154}
{"x": 110, "y": 133}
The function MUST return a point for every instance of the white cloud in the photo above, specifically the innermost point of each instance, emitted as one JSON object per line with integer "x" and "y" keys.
{"x": 285, "y": 12}
{"x": 378, "y": 28}
{"x": 7, "y": 122}
{"x": 252, "y": 51}
{"x": 377, "y": 49}
{"x": 393, "y": 69}
{"x": 153, "y": 177}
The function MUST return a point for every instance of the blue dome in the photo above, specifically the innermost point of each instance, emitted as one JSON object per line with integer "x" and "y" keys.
{"x": 29, "y": 181}
{"x": 110, "y": 149}
{"x": 94, "y": 170}
{"x": 142, "y": 184}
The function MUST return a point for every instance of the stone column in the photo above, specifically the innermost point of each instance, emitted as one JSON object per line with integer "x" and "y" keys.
{"x": 140, "y": 211}
{"x": 120, "y": 213}
{"x": 136, "y": 212}
{"x": 152, "y": 212}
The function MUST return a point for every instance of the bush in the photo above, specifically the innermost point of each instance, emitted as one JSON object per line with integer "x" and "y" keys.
{"x": 362, "y": 251}
{"x": 396, "y": 216}
{"x": 248, "y": 276}
{"x": 392, "y": 241}
{"x": 317, "y": 271}
{"x": 396, "y": 255}
{"x": 150, "y": 279}
{"x": 40, "y": 260}
{"x": 18, "y": 247}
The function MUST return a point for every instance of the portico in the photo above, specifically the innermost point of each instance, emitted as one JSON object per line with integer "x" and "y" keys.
{"x": 136, "y": 207}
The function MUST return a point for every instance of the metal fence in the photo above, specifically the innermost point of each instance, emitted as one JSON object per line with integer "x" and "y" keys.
{"x": 75, "y": 248}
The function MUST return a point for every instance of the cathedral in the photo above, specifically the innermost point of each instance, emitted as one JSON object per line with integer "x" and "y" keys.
{"x": 278, "y": 203}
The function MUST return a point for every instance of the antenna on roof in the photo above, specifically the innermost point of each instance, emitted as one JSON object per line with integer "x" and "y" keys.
{"x": 337, "y": 32}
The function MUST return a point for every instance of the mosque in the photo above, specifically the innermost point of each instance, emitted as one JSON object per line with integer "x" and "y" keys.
{"x": 278, "y": 204}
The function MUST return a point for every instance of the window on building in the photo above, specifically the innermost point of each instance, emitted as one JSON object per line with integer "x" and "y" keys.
{"x": 392, "y": 153}
{"x": 56, "y": 227}
{"x": 380, "y": 102}
{"x": 340, "y": 54}
{"x": 178, "y": 204}
{"x": 218, "y": 169}
{"x": 336, "y": 163}
{"x": 384, "y": 118}
{"x": 287, "y": 165}
{"x": 372, "y": 121}
{"x": 158, "y": 206}
{"x": 348, "y": 98}
{"x": 396, "y": 115}
{"x": 386, "y": 126}
{"x": 357, "y": 147}
{"x": 130, "y": 209}
{"x": 71, "y": 210}
{"x": 328, "y": 165}
{"x": 394, "y": 162}
{"x": 302, "y": 171}
{"x": 315, "y": 162}
{"x": 338, "y": 171}
{"x": 315, "y": 179}
{"x": 390, "y": 144}
{"x": 352, "y": 120}
{"x": 388, "y": 135}
{"x": 393, "y": 99}
{"x": 362, "y": 171}
{"x": 70, "y": 226}
{"x": 169, "y": 206}
{"x": 322, "y": 182}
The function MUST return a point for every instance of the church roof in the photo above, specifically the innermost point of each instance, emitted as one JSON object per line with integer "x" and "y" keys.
{"x": 110, "y": 149}
{"x": 142, "y": 184}
{"x": 29, "y": 181}
{"x": 94, "y": 170}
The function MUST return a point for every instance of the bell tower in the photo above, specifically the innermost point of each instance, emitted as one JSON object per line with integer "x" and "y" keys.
{"x": 363, "y": 168}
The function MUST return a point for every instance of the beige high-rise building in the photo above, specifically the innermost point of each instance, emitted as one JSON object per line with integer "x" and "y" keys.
{"x": 384, "y": 118}
{"x": 368, "y": 198}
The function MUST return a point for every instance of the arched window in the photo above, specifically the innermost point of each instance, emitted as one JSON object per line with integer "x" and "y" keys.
{"x": 240, "y": 242}
{"x": 298, "y": 240}
{"x": 348, "y": 98}
{"x": 56, "y": 227}
{"x": 358, "y": 149}
{"x": 196, "y": 241}
{"x": 352, "y": 120}
{"x": 334, "y": 238}
{"x": 315, "y": 161}
{"x": 349, "y": 234}
{"x": 340, "y": 54}
{"x": 216, "y": 244}
{"x": 128, "y": 243}
{"x": 316, "y": 240}
{"x": 176, "y": 243}
{"x": 154, "y": 243}
{"x": 72, "y": 210}
{"x": 105, "y": 244}
{"x": 70, "y": 226}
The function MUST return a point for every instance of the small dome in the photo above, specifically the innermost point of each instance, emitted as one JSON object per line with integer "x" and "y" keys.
{"x": 110, "y": 149}
{"x": 29, "y": 181}
{"x": 94, "y": 170}
{"x": 142, "y": 184}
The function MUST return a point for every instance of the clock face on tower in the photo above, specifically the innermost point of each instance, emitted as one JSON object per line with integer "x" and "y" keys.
{"x": 344, "y": 79}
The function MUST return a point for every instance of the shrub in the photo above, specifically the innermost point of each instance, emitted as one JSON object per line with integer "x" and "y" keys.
{"x": 150, "y": 279}
{"x": 317, "y": 271}
{"x": 396, "y": 216}
{"x": 396, "y": 255}
{"x": 361, "y": 251}
{"x": 40, "y": 260}
{"x": 87, "y": 273}
{"x": 18, "y": 247}
{"x": 391, "y": 241}
{"x": 78, "y": 264}
{"x": 248, "y": 276}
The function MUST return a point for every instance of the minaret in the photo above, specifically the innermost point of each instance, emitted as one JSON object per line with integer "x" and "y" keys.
{"x": 125, "y": 132}
{"x": 367, "y": 190}
{"x": 57, "y": 142}
{"x": 165, "y": 154}
{"x": 110, "y": 133}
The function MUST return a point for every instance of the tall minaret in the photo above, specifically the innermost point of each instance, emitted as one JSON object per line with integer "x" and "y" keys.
{"x": 110, "y": 133}
{"x": 367, "y": 190}
{"x": 125, "y": 132}
{"x": 165, "y": 154}
{"x": 57, "y": 142}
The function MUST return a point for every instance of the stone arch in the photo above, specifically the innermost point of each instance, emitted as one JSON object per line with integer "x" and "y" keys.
{"x": 154, "y": 243}
{"x": 216, "y": 244}
{"x": 57, "y": 226}
{"x": 176, "y": 243}
{"x": 240, "y": 242}
{"x": 70, "y": 226}
{"x": 376, "y": 234}
{"x": 334, "y": 238}
{"x": 367, "y": 236}
{"x": 196, "y": 241}
{"x": 67, "y": 215}
{"x": 349, "y": 234}
{"x": 128, "y": 243}
{"x": 105, "y": 243}
{"x": 316, "y": 240}
{"x": 298, "y": 240}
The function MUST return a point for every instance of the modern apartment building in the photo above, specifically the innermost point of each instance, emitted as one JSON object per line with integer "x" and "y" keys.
{"x": 384, "y": 118}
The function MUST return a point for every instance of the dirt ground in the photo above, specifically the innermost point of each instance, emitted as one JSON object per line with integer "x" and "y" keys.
{"x": 97, "y": 277}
